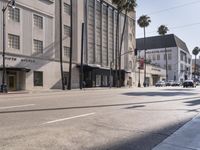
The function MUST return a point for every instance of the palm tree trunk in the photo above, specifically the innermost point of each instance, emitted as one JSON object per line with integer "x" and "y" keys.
{"x": 144, "y": 84}
{"x": 61, "y": 56}
{"x": 120, "y": 50}
{"x": 116, "y": 50}
{"x": 70, "y": 58}
{"x": 166, "y": 64}
{"x": 195, "y": 66}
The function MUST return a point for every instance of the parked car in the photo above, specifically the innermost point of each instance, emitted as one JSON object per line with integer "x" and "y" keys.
{"x": 169, "y": 83}
{"x": 176, "y": 83}
{"x": 189, "y": 83}
{"x": 160, "y": 84}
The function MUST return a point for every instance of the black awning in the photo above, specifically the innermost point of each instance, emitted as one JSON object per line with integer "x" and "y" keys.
{"x": 16, "y": 69}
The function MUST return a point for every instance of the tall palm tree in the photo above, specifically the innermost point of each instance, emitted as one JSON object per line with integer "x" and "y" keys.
{"x": 144, "y": 22}
{"x": 162, "y": 30}
{"x": 195, "y": 52}
{"x": 120, "y": 4}
{"x": 128, "y": 6}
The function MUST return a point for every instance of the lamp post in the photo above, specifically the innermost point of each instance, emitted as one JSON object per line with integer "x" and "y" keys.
{"x": 139, "y": 85}
{"x": 110, "y": 80}
{"x": 10, "y": 3}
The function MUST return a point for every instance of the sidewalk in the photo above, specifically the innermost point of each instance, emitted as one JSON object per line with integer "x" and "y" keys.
{"x": 59, "y": 90}
{"x": 186, "y": 138}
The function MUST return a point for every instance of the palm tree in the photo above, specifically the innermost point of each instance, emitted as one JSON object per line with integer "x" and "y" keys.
{"x": 144, "y": 22}
{"x": 120, "y": 4}
{"x": 162, "y": 30}
{"x": 195, "y": 52}
{"x": 128, "y": 7}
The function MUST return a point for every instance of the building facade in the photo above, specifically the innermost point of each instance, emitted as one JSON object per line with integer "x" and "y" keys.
{"x": 33, "y": 43}
{"x": 179, "y": 59}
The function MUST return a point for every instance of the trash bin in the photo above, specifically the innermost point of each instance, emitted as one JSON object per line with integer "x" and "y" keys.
{"x": 3, "y": 88}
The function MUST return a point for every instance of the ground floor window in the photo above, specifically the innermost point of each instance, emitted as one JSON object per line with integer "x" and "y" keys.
{"x": 38, "y": 78}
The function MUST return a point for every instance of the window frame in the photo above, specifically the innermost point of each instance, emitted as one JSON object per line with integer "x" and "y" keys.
{"x": 12, "y": 42}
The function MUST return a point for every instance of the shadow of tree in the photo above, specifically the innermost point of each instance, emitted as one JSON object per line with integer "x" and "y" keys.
{"x": 140, "y": 140}
{"x": 193, "y": 102}
{"x": 159, "y": 94}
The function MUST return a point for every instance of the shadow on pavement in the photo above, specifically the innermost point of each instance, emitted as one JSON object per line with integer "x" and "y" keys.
{"x": 193, "y": 102}
{"x": 134, "y": 105}
{"x": 178, "y": 89}
{"x": 159, "y": 94}
{"x": 141, "y": 140}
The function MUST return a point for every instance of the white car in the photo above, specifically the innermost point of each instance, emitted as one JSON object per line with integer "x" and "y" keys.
{"x": 160, "y": 84}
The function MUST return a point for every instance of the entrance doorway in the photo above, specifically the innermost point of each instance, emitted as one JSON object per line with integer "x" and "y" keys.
{"x": 12, "y": 82}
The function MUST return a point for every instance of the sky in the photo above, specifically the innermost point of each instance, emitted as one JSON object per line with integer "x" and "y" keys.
{"x": 182, "y": 17}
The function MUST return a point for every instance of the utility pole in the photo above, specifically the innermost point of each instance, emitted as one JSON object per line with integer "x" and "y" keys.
{"x": 10, "y": 3}
{"x": 81, "y": 67}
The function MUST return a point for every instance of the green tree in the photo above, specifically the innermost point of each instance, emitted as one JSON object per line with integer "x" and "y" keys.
{"x": 195, "y": 52}
{"x": 162, "y": 30}
{"x": 144, "y": 21}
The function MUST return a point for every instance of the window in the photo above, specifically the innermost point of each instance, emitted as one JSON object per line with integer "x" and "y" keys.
{"x": 169, "y": 56}
{"x": 14, "y": 14}
{"x": 38, "y": 47}
{"x": 13, "y": 41}
{"x": 67, "y": 31}
{"x": 189, "y": 61}
{"x": 158, "y": 56}
{"x": 66, "y": 51}
{"x": 38, "y": 21}
{"x": 154, "y": 57}
{"x": 67, "y": 8}
{"x": 169, "y": 67}
{"x": 38, "y": 78}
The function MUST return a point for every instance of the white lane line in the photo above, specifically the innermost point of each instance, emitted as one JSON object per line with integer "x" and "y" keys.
{"x": 64, "y": 119}
{"x": 18, "y": 106}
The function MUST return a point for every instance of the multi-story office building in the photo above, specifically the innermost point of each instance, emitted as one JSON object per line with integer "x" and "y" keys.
{"x": 33, "y": 44}
{"x": 178, "y": 56}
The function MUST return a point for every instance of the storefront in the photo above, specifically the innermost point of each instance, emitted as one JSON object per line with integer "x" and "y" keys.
{"x": 15, "y": 78}
{"x": 95, "y": 76}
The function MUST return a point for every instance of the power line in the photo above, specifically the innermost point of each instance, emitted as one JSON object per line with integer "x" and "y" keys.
{"x": 179, "y": 27}
{"x": 174, "y": 7}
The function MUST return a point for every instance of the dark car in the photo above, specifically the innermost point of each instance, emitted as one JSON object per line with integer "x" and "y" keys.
{"x": 189, "y": 83}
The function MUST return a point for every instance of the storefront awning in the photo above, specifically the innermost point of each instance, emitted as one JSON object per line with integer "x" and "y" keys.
{"x": 16, "y": 69}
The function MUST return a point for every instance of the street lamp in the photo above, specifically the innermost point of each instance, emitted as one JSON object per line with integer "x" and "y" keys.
{"x": 10, "y": 3}
{"x": 110, "y": 80}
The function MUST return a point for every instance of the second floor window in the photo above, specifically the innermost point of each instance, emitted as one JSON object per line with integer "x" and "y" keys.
{"x": 66, "y": 51}
{"x": 67, "y": 8}
{"x": 14, "y": 14}
{"x": 38, "y": 21}
{"x": 38, "y": 47}
{"x": 158, "y": 56}
{"x": 67, "y": 31}
{"x": 169, "y": 56}
{"x": 13, "y": 41}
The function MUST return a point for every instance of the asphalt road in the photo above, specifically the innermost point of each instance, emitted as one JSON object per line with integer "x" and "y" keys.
{"x": 112, "y": 119}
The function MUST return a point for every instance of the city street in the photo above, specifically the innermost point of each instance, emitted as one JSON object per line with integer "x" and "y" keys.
{"x": 107, "y": 119}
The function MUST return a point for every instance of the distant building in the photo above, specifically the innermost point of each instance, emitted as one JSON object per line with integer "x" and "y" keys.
{"x": 178, "y": 55}
{"x": 33, "y": 43}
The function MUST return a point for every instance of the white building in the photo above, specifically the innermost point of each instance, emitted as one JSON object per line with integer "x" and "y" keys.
{"x": 178, "y": 55}
{"x": 33, "y": 43}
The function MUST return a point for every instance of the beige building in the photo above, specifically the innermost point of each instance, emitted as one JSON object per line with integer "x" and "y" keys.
{"x": 33, "y": 43}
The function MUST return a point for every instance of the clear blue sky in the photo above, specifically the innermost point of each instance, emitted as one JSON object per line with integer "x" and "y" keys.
{"x": 181, "y": 16}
